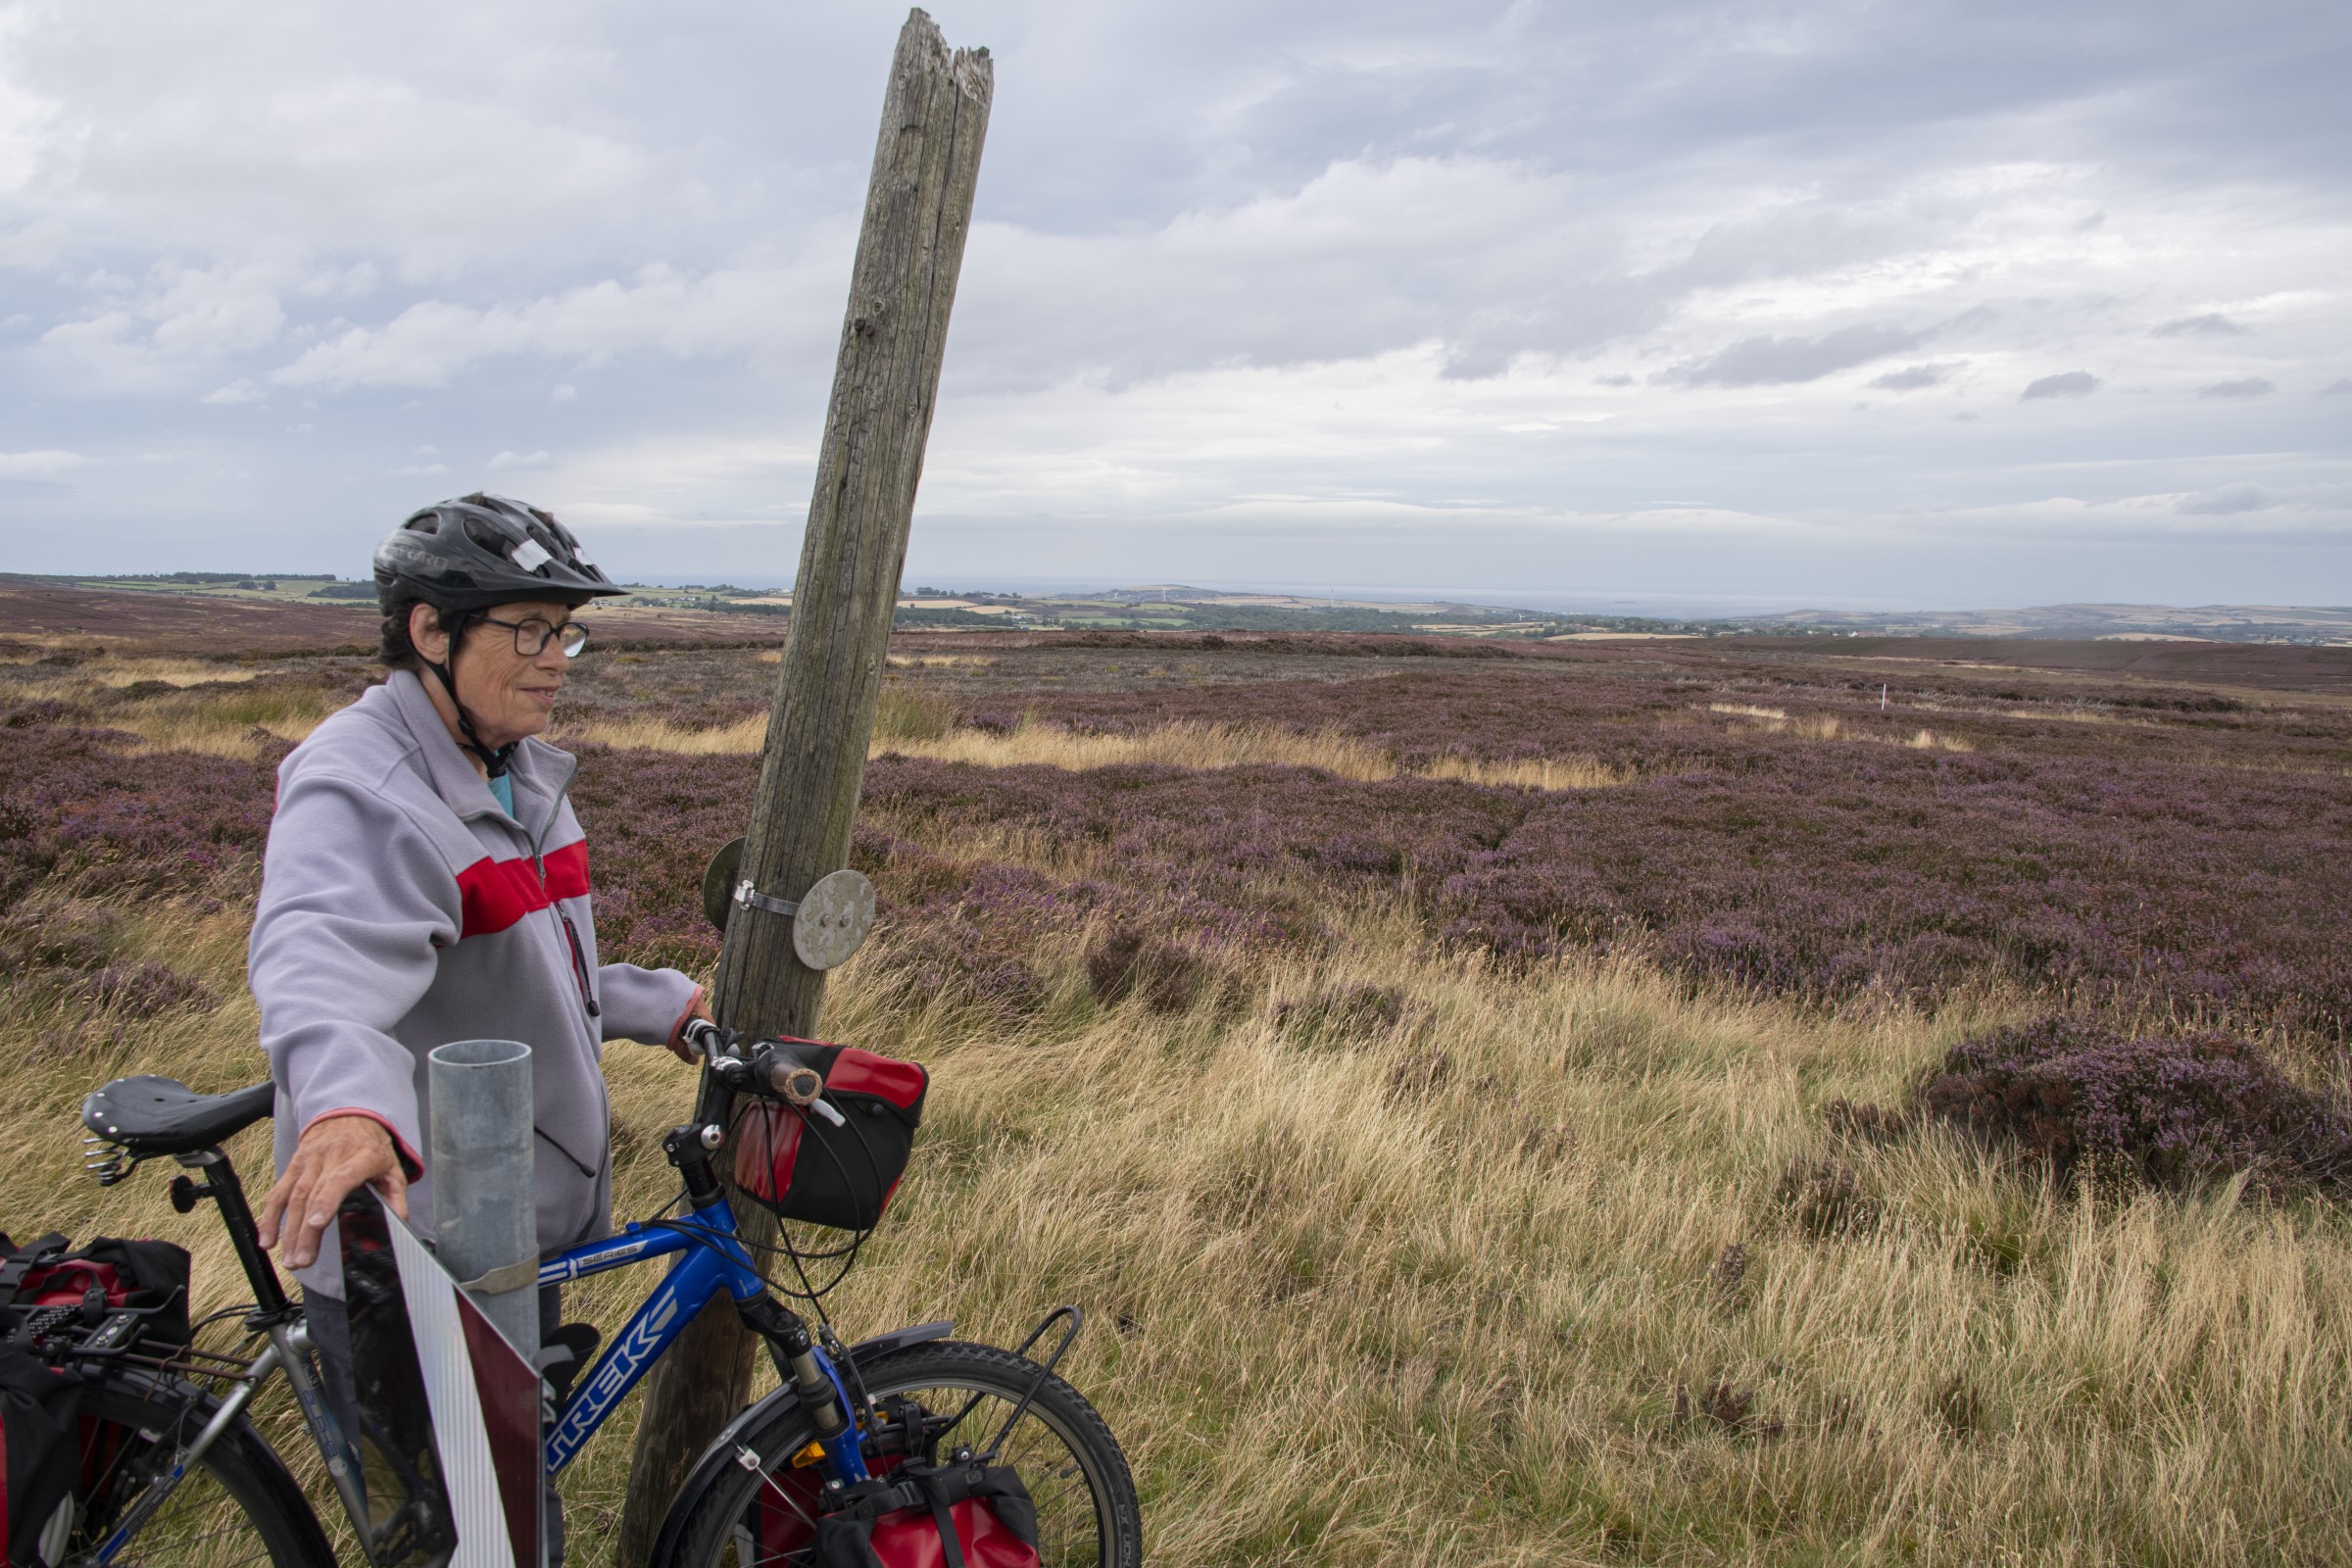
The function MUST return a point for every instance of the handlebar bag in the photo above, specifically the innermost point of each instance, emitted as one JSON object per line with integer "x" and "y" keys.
{"x": 147, "y": 1277}
{"x": 953, "y": 1516}
{"x": 37, "y": 1408}
{"x": 798, "y": 1165}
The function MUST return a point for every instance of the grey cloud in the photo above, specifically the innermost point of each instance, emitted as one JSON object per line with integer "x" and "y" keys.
{"x": 1785, "y": 360}
{"x": 431, "y": 199}
{"x": 2226, "y": 502}
{"x": 2341, "y": 384}
{"x": 2211, "y": 325}
{"x": 2065, "y": 384}
{"x": 1913, "y": 377}
{"x": 2253, "y": 386}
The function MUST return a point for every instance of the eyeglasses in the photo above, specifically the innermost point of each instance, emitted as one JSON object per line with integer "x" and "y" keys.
{"x": 530, "y": 636}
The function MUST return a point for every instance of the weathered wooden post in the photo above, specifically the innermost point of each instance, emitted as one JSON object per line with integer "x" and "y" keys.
{"x": 918, "y": 206}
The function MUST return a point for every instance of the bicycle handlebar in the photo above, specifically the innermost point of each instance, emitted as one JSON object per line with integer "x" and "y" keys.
{"x": 774, "y": 1071}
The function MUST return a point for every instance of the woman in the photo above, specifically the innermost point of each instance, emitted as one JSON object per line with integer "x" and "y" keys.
{"x": 425, "y": 881}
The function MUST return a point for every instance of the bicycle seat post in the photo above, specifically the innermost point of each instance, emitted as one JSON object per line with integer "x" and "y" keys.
{"x": 221, "y": 1185}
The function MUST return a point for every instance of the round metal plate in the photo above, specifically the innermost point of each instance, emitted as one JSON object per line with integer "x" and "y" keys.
{"x": 718, "y": 883}
{"x": 835, "y": 917}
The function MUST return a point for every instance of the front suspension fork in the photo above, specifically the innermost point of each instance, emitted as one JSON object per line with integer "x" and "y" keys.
{"x": 814, "y": 1381}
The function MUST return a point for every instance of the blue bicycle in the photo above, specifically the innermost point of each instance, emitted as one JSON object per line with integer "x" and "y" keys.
{"x": 173, "y": 1471}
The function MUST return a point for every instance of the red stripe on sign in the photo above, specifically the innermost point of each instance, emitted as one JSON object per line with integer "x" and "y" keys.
{"x": 567, "y": 871}
{"x": 510, "y": 1394}
{"x": 497, "y": 894}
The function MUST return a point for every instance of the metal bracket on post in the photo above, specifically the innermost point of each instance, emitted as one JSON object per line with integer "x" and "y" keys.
{"x": 745, "y": 892}
{"x": 829, "y": 922}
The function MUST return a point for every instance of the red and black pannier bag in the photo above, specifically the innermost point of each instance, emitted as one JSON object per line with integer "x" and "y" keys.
{"x": 38, "y": 1405}
{"x": 920, "y": 1516}
{"x": 800, "y": 1165}
{"x": 50, "y": 1286}
{"x": 112, "y": 1293}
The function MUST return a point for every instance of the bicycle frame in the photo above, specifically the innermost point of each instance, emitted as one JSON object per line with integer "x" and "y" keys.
{"x": 714, "y": 1262}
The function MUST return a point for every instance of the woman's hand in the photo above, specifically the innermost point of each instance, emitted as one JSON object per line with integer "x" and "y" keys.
{"x": 336, "y": 1154}
{"x": 700, "y": 1008}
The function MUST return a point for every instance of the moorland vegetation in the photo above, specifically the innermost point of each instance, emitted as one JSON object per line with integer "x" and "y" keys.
{"x": 1584, "y": 1104}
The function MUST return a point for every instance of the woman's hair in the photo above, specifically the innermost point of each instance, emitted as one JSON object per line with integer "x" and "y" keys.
{"x": 393, "y": 648}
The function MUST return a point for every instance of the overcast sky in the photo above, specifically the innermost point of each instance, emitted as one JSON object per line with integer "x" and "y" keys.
{"x": 1836, "y": 303}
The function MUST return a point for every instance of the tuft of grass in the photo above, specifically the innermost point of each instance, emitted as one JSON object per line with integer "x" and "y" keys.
{"x": 744, "y": 738}
{"x": 914, "y": 724}
{"x": 1832, "y": 727}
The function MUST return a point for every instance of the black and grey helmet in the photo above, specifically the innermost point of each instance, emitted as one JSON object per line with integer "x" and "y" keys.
{"x": 480, "y": 550}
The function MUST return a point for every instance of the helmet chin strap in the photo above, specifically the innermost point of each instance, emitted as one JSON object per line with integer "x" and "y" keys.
{"x": 494, "y": 762}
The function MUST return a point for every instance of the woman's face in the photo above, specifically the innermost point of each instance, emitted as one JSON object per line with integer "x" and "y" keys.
{"x": 506, "y": 695}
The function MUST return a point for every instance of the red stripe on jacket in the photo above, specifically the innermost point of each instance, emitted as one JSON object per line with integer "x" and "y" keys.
{"x": 567, "y": 871}
{"x": 498, "y": 893}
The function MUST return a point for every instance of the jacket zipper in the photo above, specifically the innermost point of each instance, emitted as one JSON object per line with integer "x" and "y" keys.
{"x": 579, "y": 953}
{"x": 579, "y": 965}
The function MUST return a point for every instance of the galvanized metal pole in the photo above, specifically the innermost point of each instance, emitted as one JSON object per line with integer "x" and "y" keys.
{"x": 485, "y": 1220}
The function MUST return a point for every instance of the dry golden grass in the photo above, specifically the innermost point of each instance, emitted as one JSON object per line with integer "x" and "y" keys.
{"x": 908, "y": 730}
{"x": 935, "y": 660}
{"x": 775, "y": 656}
{"x": 743, "y": 738}
{"x": 1451, "y": 1290}
{"x": 231, "y": 723}
{"x": 119, "y": 672}
{"x": 1535, "y": 773}
{"x": 1831, "y": 727}
{"x": 908, "y": 720}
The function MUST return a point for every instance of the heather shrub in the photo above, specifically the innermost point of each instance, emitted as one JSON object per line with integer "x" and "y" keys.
{"x": 57, "y": 940}
{"x": 2169, "y": 1112}
{"x": 1825, "y": 1197}
{"x": 1345, "y": 1010}
{"x": 88, "y": 817}
{"x": 1166, "y": 976}
{"x": 146, "y": 990}
{"x": 958, "y": 965}
{"x": 1856, "y": 1122}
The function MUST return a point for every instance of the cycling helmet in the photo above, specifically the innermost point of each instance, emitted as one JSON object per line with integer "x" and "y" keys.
{"x": 468, "y": 555}
{"x": 479, "y": 551}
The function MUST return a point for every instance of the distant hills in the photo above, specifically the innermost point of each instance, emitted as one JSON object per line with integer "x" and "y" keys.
{"x": 2230, "y": 624}
{"x": 1175, "y": 606}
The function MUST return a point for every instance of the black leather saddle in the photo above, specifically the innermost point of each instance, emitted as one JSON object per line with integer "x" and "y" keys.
{"x": 150, "y": 1116}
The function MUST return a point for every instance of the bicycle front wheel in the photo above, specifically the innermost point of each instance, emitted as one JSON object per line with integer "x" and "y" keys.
{"x": 1065, "y": 1453}
{"x": 237, "y": 1506}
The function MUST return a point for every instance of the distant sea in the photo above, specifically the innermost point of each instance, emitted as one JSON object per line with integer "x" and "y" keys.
{"x": 1570, "y": 601}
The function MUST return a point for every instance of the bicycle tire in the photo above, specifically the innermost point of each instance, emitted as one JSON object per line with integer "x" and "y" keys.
{"x": 238, "y": 1507}
{"x": 1060, "y": 1440}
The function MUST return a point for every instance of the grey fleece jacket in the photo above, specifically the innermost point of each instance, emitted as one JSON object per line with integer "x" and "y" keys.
{"x": 402, "y": 909}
